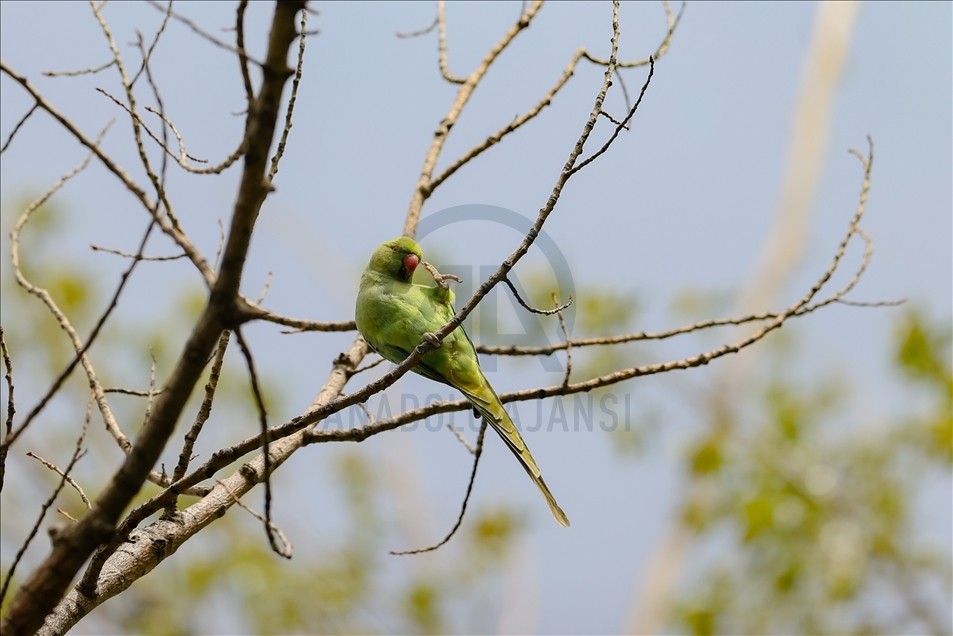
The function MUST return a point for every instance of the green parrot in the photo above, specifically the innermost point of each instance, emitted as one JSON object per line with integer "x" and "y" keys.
{"x": 394, "y": 316}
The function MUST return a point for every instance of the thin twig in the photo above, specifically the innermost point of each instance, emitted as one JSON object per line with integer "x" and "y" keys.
{"x": 11, "y": 407}
{"x": 672, "y": 22}
{"x": 442, "y": 45}
{"x": 77, "y": 454}
{"x": 208, "y": 36}
{"x": 527, "y": 307}
{"x": 147, "y": 55}
{"x": 67, "y": 515}
{"x": 562, "y": 325}
{"x": 137, "y": 124}
{"x": 510, "y": 127}
{"x": 134, "y": 392}
{"x": 622, "y": 124}
{"x": 221, "y": 244}
{"x": 367, "y": 412}
{"x": 8, "y": 376}
{"x": 263, "y": 419}
{"x": 415, "y": 34}
{"x": 264, "y": 291}
{"x": 242, "y": 58}
{"x": 183, "y": 155}
{"x": 613, "y": 119}
{"x": 279, "y": 153}
{"x": 466, "y": 498}
{"x": 181, "y": 159}
{"x": 283, "y": 550}
{"x": 86, "y": 71}
{"x": 463, "y": 440}
{"x": 141, "y": 258}
{"x": 152, "y": 389}
{"x": 59, "y": 472}
{"x": 368, "y": 366}
{"x": 16, "y": 128}
{"x": 204, "y": 411}
{"x": 307, "y": 325}
{"x": 877, "y": 303}
{"x": 441, "y": 279}
{"x": 625, "y": 90}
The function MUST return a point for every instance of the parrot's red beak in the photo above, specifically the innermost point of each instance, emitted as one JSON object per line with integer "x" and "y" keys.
{"x": 410, "y": 262}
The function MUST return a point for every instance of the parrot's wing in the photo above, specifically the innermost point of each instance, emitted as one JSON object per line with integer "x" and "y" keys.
{"x": 397, "y": 355}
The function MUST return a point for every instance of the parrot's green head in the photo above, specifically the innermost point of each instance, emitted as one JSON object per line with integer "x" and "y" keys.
{"x": 397, "y": 258}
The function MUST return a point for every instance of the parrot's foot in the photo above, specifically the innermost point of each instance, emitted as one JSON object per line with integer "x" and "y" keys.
{"x": 440, "y": 278}
{"x": 432, "y": 339}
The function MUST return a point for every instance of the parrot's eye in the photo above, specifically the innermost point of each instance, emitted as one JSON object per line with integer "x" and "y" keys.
{"x": 394, "y": 249}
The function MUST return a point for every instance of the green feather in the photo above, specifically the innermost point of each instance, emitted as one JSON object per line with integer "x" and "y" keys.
{"x": 393, "y": 314}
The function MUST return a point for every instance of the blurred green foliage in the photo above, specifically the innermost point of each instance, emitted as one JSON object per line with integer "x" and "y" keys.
{"x": 812, "y": 521}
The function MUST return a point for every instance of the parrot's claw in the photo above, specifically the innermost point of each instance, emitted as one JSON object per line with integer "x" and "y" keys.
{"x": 440, "y": 278}
{"x": 432, "y": 339}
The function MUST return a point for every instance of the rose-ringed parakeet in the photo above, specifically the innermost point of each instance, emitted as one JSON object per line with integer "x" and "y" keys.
{"x": 393, "y": 315}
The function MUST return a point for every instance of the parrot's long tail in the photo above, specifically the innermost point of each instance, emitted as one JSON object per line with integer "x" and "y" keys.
{"x": 554, "y": 508}
{"x": 492, "y": 411}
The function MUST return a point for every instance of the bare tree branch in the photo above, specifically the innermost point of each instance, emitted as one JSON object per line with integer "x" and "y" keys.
{"x": 208, "y": 36}
{"x": 11, "y": 406}
{"x": 415, "y": 34}
{"x": 62, "y": 474}
{"x": 562, "y": 326}
{"x": 424, "y": 187}
{"x": 86, "y": 71}
{"x": 242, "y": 58}
{"x": 531, "y": 309}
{"x": 307, "y": 325}
{"x": 185, "y": 457}
{"x": 134, "y": 392}
{"x": 622, "y": 124}
{"x": 263, "y": 419}
{"x": 77, "y": 454}
{"x": 139, "y": 258}
{"x": 172, "y": 231}
{"x": 477, "y": 452}
{"x": 147, "y": 55}
{"x": 442, "y": 39}
{"x": 671, "y": 20}
{"x": 16, "y": 128}
{"x": 285, "y": 548}
{"x": 41, "y": 591}
{"x": 459, "y": 436}
{"x": 279, "y": 153}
